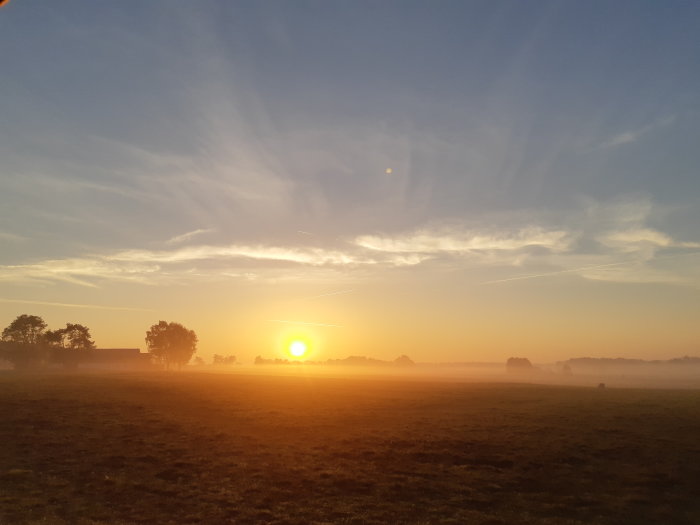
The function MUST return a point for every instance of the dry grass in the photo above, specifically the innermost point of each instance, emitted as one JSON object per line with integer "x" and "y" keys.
{"x": 208, "y": 448}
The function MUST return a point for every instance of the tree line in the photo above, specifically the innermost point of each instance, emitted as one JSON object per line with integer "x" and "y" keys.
{"x": 27, "y": 343}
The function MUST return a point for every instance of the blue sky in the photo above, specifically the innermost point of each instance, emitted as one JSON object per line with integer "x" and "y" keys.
{"x": 159, "y": 154}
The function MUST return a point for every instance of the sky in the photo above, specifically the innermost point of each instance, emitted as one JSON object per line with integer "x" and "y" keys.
{"x": 454, "y": 180}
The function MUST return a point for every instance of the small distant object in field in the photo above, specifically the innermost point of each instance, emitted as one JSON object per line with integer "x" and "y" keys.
{"x": 601, "y": 386}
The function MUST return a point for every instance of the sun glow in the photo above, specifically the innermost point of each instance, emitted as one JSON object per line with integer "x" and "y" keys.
{"x": 297, "y": 348}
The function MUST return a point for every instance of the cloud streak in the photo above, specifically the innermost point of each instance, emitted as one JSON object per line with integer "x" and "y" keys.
{"x": 79, "y": 271}
{"x": 193, "y": 262}
{"x": 630, "y": 136}
{"x": 559, "y": 272}
{"x": 307, "y": 256}
{"x": 634, "y": 239}
{"x": 11, "y": 237}
{"x": 338, "y": 292}
{"x": 73, "y": 305}
{"x": 187, "y": 236}
{"x": 428, "y": 242}
{"x": 305, "y": 323}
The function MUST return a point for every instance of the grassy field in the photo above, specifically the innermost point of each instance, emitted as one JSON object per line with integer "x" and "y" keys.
{"x": 235, "y": 448}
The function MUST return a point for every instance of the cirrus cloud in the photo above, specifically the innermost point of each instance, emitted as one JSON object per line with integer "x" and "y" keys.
{"x": 433, "y": 242}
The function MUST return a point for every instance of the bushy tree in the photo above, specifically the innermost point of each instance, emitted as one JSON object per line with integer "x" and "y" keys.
{"x": 404, "y": 360}
{"x": 224, "y": 359}
{"x": 171, "y": 343}
{"x": 72, "y": 337}
{"x": 25, "y": 329}
{"x": 24, "y": 343}
{"x": 70, "y": 345}
{"x": 519, "y": 364}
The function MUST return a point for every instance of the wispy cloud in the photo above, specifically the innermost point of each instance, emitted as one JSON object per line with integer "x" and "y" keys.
{"x": 11, "y": 237}
{"x": 607, "y": 238}
{"x": 328, "y": 294}
{"x": 192, "y": 262}
{"x": 73, "y": 305}
{"x": 304, "y": 323}
{"x": 558, "y": 272}
{"x": 633, "y": 135}
{"x": 79, "y": 271}
{"x": 433, "y": 242}
{"x": 634, "y": 270}
{"x": 633, "y": 239}
{"x": 616, "y": 242}
{"x": 309, "y": 256}
{"x": 187, "y": 236}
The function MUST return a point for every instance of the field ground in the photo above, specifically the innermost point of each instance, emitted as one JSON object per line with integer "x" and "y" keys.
{"x": 211, "y": 448}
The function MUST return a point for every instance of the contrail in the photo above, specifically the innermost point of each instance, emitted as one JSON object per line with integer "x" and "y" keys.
{"x": 71, "y": 305}
{"x": 303, "y": 322}
{"x": 583, "y": 268}
{"x": 329, "y": 293}
{"x": 536, "y": 275}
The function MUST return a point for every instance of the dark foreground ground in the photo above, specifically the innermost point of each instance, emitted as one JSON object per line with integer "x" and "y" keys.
{"x": 208, "y": 448}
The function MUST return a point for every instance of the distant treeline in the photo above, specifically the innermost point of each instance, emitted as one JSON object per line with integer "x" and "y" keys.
{"x": 621, "y": 361}
{"x": 353, "y": 360}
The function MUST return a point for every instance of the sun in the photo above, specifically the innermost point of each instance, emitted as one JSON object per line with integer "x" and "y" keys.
{"x": 297, "y": 348}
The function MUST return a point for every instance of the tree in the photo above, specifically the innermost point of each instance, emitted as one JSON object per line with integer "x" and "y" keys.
{"x": 224, "y": 359}
{"x": 171, "y": 343}
{"x": 26, "y": 329}
{"x": 24, "y": 343}
{"x": 404, "y": 360}
{"x": 519, "y": 364}
{"x": 71, "y": 344}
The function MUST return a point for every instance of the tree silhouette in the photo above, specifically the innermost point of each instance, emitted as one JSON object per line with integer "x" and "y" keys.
{"x": 25, "y": 329}
{"x": 71, "y": 344}
{"x": 27, "y": 343}
{"x": 171, "y": 343}
{"x": 519, "y": 364}
{"x": 24, "y": 343}
{"x": 224, "y": 359}
{"x": 404, "y": 360}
